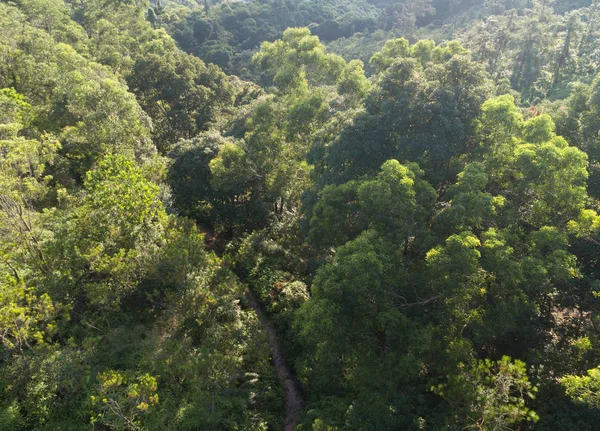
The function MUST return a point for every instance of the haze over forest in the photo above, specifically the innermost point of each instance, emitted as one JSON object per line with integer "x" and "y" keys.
{"x": 308, "y": 215}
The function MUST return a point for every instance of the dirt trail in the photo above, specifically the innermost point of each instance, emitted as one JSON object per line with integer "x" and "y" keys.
{"x": 294, "y": 401}
{"x": 293, "y": 396}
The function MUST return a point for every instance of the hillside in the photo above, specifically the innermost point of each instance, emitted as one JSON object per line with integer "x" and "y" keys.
{"x": 266, "y": 215}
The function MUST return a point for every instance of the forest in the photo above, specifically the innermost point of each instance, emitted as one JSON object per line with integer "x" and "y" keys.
{"x": 299, "y": 215}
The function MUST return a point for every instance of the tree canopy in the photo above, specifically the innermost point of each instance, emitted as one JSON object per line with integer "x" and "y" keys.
{"x": 265, "y": 215}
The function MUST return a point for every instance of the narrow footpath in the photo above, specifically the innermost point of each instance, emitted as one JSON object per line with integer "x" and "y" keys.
{"x": 293, "y": 395}
{"x": 293, "y": 398}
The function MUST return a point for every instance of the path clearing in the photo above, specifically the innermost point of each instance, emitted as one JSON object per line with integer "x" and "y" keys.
{"x": 293, "y": 396}
{"x": 293, "y": 401}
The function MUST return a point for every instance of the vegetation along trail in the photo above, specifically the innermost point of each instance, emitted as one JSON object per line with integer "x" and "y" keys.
{"x": 294, "y": 400}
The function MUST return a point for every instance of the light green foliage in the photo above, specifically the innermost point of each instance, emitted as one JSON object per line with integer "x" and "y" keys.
{"x": 299, "y": 60}
{"x": 539, "y": 129}
{"x": 500, "y": 121}
{"x": 405, "y": 231}
{"x": 116, "y": 30}
{"x": 393, "y": 49}
{"x": 546, "y": 176}
{"x": 490, "y": 395}
{"x": 584, "y": 389}
{"x": 114, "y": 232}
{"x": 27, "y": 320}
{"x": 16, "y": 113}
{"x": 296, "y": 58}
{"x": 121, "y": 404}
{"x": 96, "y": 275}
{"x": 458, "y": 278}
{"x": 119, "y": 194}
{"x": 389, "y": 201}
{"x": 23, "y": 177}
{"x": 78, "y": 100}
{"x": 500, "y": 124}
{"x": 266, "y": 173}
{"x": 451, "y": 49}
{"x": 320, "y": 425}
{"x": 556, "y": 201}
{"x": 23, "y": 160}
{"x": 353, "y": 82}
{"x": 159, "y": 78}
{"x": 230, "y": 161}
{"x": 424, "y": 51}
{"x": 587, "y": 223}
{"x": 108, "y": 117}
{"x": 471, "y": 207}
{"x": 550, "y": 171}
{"x": 24, "y": 184}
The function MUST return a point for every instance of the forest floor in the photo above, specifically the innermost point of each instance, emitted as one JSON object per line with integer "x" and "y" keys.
{"x": 293, "y": 398}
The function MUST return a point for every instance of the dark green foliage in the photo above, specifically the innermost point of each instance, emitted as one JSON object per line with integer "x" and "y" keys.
{"x": 424, "y": 240}
{"x": 113, "y": 314}
{"x": 159, "y": 79}
{"x": 189, "y": 175}
{"x": 228, "y": 30}
{"x": 423, "y": 110}
{"x": 540, "y": 52}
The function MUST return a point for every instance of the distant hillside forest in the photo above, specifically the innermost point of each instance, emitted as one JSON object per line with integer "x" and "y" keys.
{"x": 304, "y": 215}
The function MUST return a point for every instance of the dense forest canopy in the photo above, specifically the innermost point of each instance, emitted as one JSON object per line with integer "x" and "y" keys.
{"x": 299, "y": 215}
